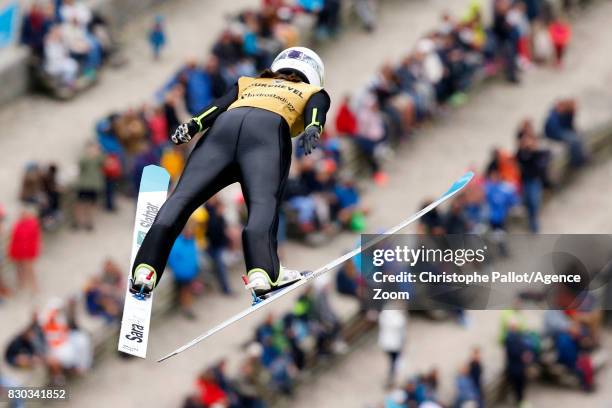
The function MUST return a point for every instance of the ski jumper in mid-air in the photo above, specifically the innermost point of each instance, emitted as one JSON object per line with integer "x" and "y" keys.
{"x": 247, "y": 140}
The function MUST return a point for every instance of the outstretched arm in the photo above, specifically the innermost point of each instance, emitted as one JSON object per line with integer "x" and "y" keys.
{"x": 315, "y": 116}
{"x": 206, "y": 118}
{"x": 316, "y": 110}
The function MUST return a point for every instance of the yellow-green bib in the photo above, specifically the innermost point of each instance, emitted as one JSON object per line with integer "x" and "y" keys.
{"x": 285, "y": 98}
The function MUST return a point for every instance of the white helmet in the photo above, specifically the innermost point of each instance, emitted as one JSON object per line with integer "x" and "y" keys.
{"x": 303, "y": 60}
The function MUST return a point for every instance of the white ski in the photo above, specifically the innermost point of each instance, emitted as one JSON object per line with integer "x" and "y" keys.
{"x": 454, "y": 189}
{"x": 134, "y": 333}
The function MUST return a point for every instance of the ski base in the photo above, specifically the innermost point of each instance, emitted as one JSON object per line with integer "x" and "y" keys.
{"x": 136, "y": 320}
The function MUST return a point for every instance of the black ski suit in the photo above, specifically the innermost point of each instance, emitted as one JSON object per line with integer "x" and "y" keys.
{"x": 249, "y": 145}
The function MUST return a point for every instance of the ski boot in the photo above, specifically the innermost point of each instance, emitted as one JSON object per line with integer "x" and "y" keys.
{"x": 143, "y": 281}
{"x": 261, "y": 286}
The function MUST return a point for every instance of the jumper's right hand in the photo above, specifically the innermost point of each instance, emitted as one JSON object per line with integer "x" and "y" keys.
{"x": 185, "y": 132}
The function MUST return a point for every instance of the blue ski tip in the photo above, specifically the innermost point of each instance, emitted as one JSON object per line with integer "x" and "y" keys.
{"x": 459, "y": 184}
{"x": 154, "y": 178}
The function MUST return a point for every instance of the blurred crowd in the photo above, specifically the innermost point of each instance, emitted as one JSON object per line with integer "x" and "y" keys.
{"x": 67, "y": 39}
{"x": 54, "y": 342}
{"x": 562, "y": 349}
{"x": 272, "y": 364}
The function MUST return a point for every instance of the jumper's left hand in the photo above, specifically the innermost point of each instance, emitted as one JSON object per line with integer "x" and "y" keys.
{"x": 181, "y": 135}
{"x": 185, "y": 132}
{"x": 309, "y": 139}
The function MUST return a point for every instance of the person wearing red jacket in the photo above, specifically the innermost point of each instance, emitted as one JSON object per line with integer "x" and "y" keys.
{"x": 24, "y": 248}
{"x": 4, "y": 290}
{"x": 211, "y": 394}
{"x": 346, "y": 121}
{"x": 560, "y": 34}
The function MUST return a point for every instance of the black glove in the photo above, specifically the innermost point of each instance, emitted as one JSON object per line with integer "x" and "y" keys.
{"x": 309, "y": 138}
{"x": 185, "y": 132}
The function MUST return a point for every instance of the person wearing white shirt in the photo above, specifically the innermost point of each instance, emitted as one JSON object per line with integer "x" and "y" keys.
{"x": 391, "y": 337}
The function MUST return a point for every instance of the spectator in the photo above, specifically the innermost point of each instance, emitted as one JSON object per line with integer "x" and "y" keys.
{"x": 328, "y": 19}
{"x": 346, "y": 120}
{"x": 24, "y": 248}
{"x": 370, "y": 135}
{"x": 216, "y": 234}
{"x": 183, "y": 261}
{"x": 348, "y": 280}
{"x": 58, "y": 61}
{"x": 172, "y": 159}
{"x": 211, "y": 394}
{"x": 100, "y": 36}
{"x": 80, "y": 46}
{"x": 506, "y": 166}
{"x": 52, "y": 190}
{"x": 475, "y": 373}
{"x": 73, "y": 10}
{"x": 398, "y": 107}
{"x": 284, "y": 30}
{"x": 474, "y": 207}
{"x": 586, "y": 371}
{"x": 170, "y": 110}
{"x": 431, "y": 223}
{"x": 519, "y": 20}
{"x": 319, "y": 181}
{"x": 567, "y": 345}
{"x": 518, "y": 357}
{"x": 112, "y": 170}
{"x": 7, "y": 382}
{"x": 311, "y": 6}
{"x": 350, "y": 210}
{"x": 501, "y": 196}
{"x": 560, "y": 35}
{"x": 90, "y": 184}
{"x": 27, "y": 349}
{"x": 396, "y": 399}
{"x": 104, "y": 293}
{"x": 391, "y": 338}
{"x": 505, "y": 38}
{"x": 70, "y": 349}
{"x": 4, "y": 290}
{"x": 36, "y": 25}
{"x": 193, "y": 401}
{"x": 157, "y": 124}
{"x": 466, "y": 389}
{"x": 197, "y": 85}
{"x": 218, "y": 83}
{"x": 455, "y": 221}
{"x": 227, "y": 48}
{"x": 533, "y": 163}
{"x": 252, "y": 379}
{"x": 157, "y": 37}
{"x": 560, "y": 127}
{"x": 32, "y": 187}
{"x": 324, "y": 314}
{"x": 145, "y": 155}
{"x": 525, "y": 127}
{"x": 131, "y": 130}
{"x": 366, "y": 11}
{"x": 302, "y": 204}
{"x": 106, "y": 132}
{"x": 251, "y": 42}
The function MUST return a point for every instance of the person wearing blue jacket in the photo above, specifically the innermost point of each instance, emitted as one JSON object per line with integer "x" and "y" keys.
{"x": 183, "y": 261}
{"x": 501, "y": 197}
{"x": 157, "y": 37}
{"x": 560, "y": 127}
